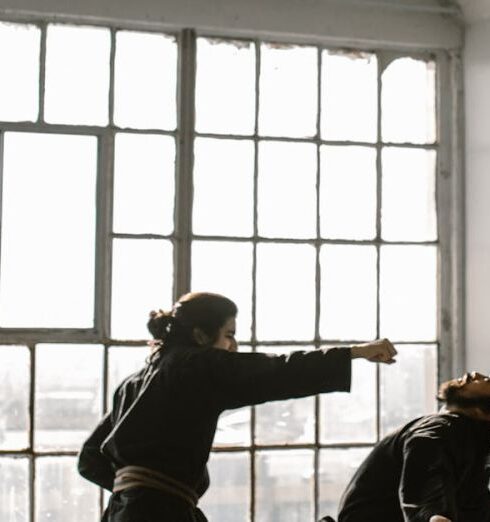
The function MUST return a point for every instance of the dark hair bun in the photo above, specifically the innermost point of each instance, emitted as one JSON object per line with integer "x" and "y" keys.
{"x": 159, "y": 323}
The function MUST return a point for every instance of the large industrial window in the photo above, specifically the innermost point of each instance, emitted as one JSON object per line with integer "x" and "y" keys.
{"x": 299, "y": 180}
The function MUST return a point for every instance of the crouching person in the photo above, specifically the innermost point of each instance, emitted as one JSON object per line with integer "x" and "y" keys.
{"x": 433, "y": 469}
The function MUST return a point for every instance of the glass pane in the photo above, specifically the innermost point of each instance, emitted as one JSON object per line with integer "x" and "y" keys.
{"x": 409, "y": 195}
{"x": 14, "y": 397}
{"x": 48, "y": 231}
{"x": 351, "y": 417}
{"x": 226, "y": 268}
{"x": 68, "y": 394}
{"x": 142, "y": 279}
{"x": 19, "y": 88}
{"x": 233, "y": 428}
{"x": 123, "y": 361}
{"x": 337, "y": 466}
{"x": 14, "y": 490}
{"x": 348, "y": 192}
{"x": 348, "y": 292}
{"x": 145, "y": 81}
{"x": 228, "y": 498}
{"x": 285, "y": 422}
{"x": 288, "y": 91}
{"x": 144, "y": 184}
{"x": 223, "y": 187}
{"x": 284, "y": 486}
{"x": 62, "y": 494}
{"x": 285, "y": 302}
{"x": 77, "y": 75}
{"x": 349, "y": 96}
{"x": 408, "y": 293}
{"x": 408, "y": 115}
{"x": 287, "y": 190}
{"x": 225, "y": 86}
{"x": 409, "y": 387}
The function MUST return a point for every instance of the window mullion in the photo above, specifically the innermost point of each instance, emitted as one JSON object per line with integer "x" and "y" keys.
{"x": 450, "y": 211}
{"x": 184, "y": 161}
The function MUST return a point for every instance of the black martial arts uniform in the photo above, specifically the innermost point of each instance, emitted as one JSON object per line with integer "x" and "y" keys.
{"x": 434, "y": 465}
{"x": 164, "y": 418}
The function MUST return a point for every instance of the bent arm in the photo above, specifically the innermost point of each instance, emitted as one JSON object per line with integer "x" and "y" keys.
{"x": 427, "y": 487}
{"x": 92, "y": 464}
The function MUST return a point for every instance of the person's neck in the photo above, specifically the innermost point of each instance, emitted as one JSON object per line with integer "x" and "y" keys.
{"x": 472, "y": 413}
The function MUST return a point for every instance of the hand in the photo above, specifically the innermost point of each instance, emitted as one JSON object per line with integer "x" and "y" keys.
{"x": 438, "y": 518}
{"x": 376, "y": 351}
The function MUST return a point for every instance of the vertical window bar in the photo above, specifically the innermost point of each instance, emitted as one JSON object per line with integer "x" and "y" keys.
{"x": 316, "y": 463}
{"x": 32, "y": 406}
{"x": 42, "y": 71}
{"x": 254, "y": 271}
{"x": 103, "y": 247}
{"x": 184, "y": 161}
{"x": 112, "y": 61}
{"x": 379, "y": 195}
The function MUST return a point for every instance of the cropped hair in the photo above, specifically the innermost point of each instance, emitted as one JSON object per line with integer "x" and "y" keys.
{"x": 204, "y": 310}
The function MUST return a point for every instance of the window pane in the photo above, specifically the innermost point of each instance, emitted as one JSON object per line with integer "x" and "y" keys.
{"x": 228, "y": 498}
{"x": 142, "y": 279}
{"x": 351, "y": 417}
{"x": 348, "y": 292}
{"x": 409, "y": 387}
{"x": 77, "y": 75}
{"x": 145, "y": 81}
{"x": 144, "y": 184}
{"x": 285, "y": 422}
{"x": 284, "y": 486}
{"x": 68, "y": 394}
{"x": 285, "y": 292}
{"x": 19, "y": 88}
{"x": 288, "y": 91}
{"x": 14, "y": 397}
{"x": 408, "y": 293}
{"x": 348, "y": 192}
{"x": 409, "y": 195}
{"x": 62, "y": 494}
{"x": 226, "y": 268}
{"x": 48, "y": 231}
{"x": 233, "y": 428}
{"x": 408, "y": 115}
{"x": 225, "y": 86}
{"x": 349, "y": 96}
{"x": 14, "y": 490}
{"x": 223, "y": 187}
{"x": 337, "y": 466}
{"x": 123, "y": 361}
{"x": 287, "y": 190}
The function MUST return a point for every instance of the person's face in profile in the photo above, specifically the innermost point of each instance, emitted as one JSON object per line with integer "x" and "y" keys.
{"x": 472, "y": 385}
{"x": 226, "y": 336}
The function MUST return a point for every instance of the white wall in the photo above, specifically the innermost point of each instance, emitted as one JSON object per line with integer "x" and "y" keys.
{"x": 417, "y": 23}
{"x": 477, "y": 107}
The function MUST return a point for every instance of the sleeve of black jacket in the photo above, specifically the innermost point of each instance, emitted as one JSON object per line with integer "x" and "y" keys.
{"x": 427, "y": 485}
{"x": 240, "y": 379}
{"x": 92, "y": 464}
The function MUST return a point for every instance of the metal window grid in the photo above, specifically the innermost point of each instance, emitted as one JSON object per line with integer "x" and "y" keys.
{"x": 449, "y": 196}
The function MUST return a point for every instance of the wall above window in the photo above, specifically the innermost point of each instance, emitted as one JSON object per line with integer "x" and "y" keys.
{"x": 367, "y": 23}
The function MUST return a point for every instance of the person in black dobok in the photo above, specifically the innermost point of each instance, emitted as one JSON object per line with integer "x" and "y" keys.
{"x": 433, "y": 469}
{"x": 152, "y": 448}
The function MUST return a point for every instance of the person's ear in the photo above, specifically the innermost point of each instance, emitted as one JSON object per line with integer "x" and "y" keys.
{"x": 200, "y": 337}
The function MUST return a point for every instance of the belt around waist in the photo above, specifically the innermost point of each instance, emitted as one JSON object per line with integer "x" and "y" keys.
{"x": 139, "y": 476}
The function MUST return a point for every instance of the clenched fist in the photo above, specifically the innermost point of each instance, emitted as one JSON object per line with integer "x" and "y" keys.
{"x": 380, "y": 350}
